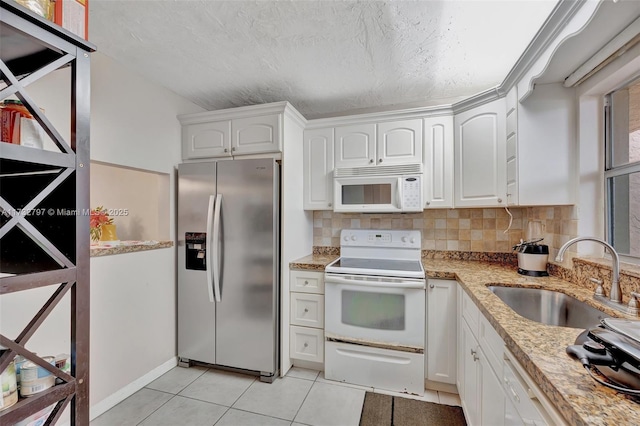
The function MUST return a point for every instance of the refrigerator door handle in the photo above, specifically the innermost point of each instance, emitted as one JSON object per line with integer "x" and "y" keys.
{"x": 216, "y": 255}
{"x": 210, "y": 247}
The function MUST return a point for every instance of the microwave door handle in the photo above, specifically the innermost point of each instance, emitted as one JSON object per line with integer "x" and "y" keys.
{"x": 210, "y": 247}
{"x": 399, "y": 201}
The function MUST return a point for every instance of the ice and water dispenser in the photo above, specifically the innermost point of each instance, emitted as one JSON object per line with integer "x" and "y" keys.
{"x": 196, "y": 252}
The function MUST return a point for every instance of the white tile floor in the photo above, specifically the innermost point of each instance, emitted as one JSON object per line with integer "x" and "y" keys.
{"x": 199, "y": 396}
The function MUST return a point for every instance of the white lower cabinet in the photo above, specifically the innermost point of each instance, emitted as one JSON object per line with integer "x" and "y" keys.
{"x": 483, "y": 398}
{"x": 494, "y": 388}
{"x": 440, "y": 353}
{"x": 306, "y": 316}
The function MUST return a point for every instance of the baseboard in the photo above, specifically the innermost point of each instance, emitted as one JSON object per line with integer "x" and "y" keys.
{"x": 438, "y": 386}
{"x": 133, "y": 387}
{"x": 309, "y": 365}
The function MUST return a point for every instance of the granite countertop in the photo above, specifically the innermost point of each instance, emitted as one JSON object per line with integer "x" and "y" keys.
{"x": 313, "y": 262}
{"x": 128, "y": 247}
{"x": 539, "y": 348}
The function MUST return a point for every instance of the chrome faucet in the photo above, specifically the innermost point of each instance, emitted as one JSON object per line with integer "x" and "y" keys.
{"x": 616, "y": 295}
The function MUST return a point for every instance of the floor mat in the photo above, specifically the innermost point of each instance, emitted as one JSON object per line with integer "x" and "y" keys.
{"x": 386, "y": 410}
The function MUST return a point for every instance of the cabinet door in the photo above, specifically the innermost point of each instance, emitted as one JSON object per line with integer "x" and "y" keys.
{"x": 470, "y": 397}
{"x": 437, "y": 159}
{"x": 355, "y": 145}
{"x": 399, "y": 142}
{"x": 255, "y": 135}
{"x": 318, "y": 169}
{"x": 441, "y": 331}
{"x": 492, "y": 397}
{"x": 480, "y": 156}
{"x": 205, "y": 140}
{"x": 460, "y": 348}
{"x": 512, "y": 146}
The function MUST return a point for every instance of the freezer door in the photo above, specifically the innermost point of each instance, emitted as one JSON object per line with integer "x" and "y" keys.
{"x": 247, "y": 315}
{"x": 196, "y": 309}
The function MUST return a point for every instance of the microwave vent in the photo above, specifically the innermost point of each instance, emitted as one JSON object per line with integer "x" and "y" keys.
{"x": 397, "y": 169}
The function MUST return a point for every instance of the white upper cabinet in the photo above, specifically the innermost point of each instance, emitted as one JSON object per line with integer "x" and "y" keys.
{"x": 546, "y": 147}
{"x": 205, "y": 140}
{"x": 256, "y": 129}
{"x": 480, "y": 156}
{"x": 389, "y": 142}
{"x": 253, "y": 135}
{"x": 437, "y": 159}
{"x": 355, "y": 146}
{"x": 399, "y": 142}
{"x": 318, "y": 169}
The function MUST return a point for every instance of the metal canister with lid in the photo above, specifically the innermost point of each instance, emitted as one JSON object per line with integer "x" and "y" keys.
{"x": 35, "y": 379}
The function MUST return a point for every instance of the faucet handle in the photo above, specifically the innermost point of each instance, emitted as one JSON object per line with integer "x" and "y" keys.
{"x": 599, "y": 289}
{"x": 632, "y": 307}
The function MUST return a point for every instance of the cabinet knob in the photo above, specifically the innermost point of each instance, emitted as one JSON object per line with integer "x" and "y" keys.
{"x": 380, "y": 160}
{"x": 306, "y": 282}
{"x": 306, "y": 310}
{"x": 431, "y": 286}
{"x": 329, "y": 204}
{"x": 473, "y": 352}
{"x": 371, "y": 160}
{"x": 233, "y": 148}
{"x": 428, "y": 203}
{"x": 305, "y": 344}
{"x": 499, "y": 200}
{"x": 226, "y": 150}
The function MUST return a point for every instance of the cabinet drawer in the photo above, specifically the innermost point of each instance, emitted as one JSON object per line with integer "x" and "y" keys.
{"x": 306, "y": 343}
{"x": 307, "y": 282}
{"x": 307, "y": 310}
{"x": 470, "y": 313}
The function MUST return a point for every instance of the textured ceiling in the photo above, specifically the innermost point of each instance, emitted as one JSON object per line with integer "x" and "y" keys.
{"x": 325, "y": 57}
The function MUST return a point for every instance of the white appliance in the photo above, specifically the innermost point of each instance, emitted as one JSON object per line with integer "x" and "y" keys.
{"x": 375, "y": 311}
{"x": 379, "y": 189}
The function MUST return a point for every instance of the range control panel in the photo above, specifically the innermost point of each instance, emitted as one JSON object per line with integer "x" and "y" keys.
{"x": 381, "y": 238}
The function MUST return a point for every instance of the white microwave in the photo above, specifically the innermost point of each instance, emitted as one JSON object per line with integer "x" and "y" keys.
{"x": 378, "y": 189}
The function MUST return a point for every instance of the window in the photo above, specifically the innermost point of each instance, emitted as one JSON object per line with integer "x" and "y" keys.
{"x": 622, "y": 171}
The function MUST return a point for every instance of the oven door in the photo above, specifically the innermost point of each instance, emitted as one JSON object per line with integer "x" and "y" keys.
{"x": 369, "y": 309}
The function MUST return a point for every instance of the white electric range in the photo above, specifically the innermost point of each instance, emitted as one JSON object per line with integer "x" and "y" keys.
{"x": 375, "y": 311}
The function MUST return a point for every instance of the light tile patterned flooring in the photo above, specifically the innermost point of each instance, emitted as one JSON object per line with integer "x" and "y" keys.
{"x": 199, "y": 396}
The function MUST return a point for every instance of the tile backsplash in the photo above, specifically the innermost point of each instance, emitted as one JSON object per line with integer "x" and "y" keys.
{"x": 477, "y": 230}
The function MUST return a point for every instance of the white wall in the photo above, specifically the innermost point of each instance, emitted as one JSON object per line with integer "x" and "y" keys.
{"x": 133, "y": 315}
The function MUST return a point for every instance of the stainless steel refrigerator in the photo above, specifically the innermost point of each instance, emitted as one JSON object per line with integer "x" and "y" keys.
{"x": 228, "y": 264}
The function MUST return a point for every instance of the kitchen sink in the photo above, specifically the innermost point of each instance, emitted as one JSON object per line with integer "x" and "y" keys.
{"x": 549, "y": 307}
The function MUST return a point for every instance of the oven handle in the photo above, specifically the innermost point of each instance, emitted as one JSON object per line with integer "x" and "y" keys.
{"x": 386, "y": 284}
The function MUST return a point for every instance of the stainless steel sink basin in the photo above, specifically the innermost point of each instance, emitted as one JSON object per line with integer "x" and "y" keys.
{"x": 549, "y": 307}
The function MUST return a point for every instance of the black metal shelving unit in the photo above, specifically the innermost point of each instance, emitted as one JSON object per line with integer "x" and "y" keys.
{"x": 39, "y": 246}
